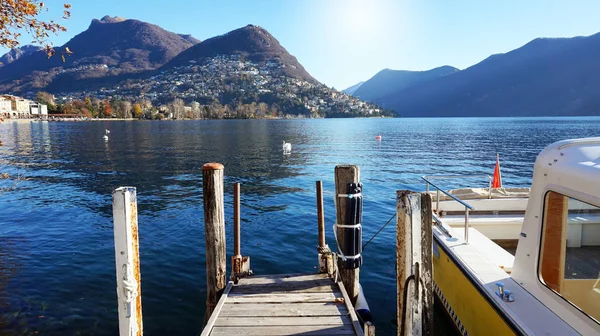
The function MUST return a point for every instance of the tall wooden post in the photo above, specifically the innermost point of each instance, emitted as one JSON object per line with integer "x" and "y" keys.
{"x": 237, "y": 244}
{"x": 324, "y": 253}
{"x": 320, "y": 214}
{"x": 414, "y": 268}
{"x": 214, "y": 229}
{"x": 345, "y": 174}
{"x": 240, "y": 265}
{"x": 127, "y": 259}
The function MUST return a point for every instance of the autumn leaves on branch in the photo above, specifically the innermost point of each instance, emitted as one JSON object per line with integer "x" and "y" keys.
{"x": 22, "y": 16}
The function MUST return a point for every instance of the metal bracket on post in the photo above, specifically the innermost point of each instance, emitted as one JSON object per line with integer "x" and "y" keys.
{"x": 240, "y": 268}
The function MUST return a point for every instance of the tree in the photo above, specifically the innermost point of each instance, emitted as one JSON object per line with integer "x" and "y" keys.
{"x": 47, "y": 99}
{"x": 137, "y": 110}
{"x": 18, "y": 16}
{"x": 177, "y": 107}
{"x": 89, "y": 106}
{"x": 126, "y": 107}
{"x": 121, "y": 108}
{"x": 107, "y": 109}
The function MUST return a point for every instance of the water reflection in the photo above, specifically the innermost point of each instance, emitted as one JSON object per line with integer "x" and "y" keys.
{"x": 63, "y": 261}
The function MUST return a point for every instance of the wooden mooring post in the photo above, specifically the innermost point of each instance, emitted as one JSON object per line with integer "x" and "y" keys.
{"x": 414, "y": 268}
{"x": 345, "y": 174}
{"x": 127, "y": 260}
{"x": 214, "y": 229}
{"x": 240, "y": 265}
{"x": 324, "y": 253}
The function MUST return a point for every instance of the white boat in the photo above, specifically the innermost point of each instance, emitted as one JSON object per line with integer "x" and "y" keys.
{"x": 551, "y": 286}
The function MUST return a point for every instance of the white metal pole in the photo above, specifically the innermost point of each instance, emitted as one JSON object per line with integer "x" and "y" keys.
{"x": 127, "y": 258}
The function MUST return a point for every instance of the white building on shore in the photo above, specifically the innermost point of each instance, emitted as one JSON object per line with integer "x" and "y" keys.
{"x": 13, "y": 107}
{"x": 38, "y": 110}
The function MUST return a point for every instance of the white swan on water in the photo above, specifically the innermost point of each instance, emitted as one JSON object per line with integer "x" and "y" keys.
{"x": 105, "y": 138}
{"x": 287, "y": 147}
{"x": 106, "y": 131}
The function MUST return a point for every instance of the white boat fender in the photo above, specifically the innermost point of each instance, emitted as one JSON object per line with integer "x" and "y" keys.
{"x": 362, "y": 307}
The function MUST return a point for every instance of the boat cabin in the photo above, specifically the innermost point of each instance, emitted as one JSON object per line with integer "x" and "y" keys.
{"x": 524, "y": 261}
{"x": 558, "y": 256}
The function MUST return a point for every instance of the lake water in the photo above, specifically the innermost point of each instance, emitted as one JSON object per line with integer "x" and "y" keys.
{"x": 57, "y": 273}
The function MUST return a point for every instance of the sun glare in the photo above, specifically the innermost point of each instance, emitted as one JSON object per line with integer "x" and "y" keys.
{"x": 360, "y": 19}
{"x": 359, "y": 14}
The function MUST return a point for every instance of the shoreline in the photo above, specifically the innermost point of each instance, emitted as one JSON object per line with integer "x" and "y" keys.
{"x": 19, "y": 121}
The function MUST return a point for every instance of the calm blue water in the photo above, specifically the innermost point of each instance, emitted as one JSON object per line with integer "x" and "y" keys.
{"x": 57, "y": 273}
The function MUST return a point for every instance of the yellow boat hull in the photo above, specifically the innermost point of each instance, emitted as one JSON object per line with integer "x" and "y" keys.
{"x": 470, "y": 310}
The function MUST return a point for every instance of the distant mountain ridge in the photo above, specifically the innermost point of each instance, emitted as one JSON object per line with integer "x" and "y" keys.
{"x": 15, "y": 54}
{"x": 353, "y": 88}
{"x": 110, "y": 46}
{"x": 545, "y": 77}
{"x": 389, "y": 81}
{"x": 251, "y": 42}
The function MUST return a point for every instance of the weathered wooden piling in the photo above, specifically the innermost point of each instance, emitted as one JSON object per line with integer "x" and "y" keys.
{"x": 414, "y": 268}
{"x": 324, "y": 253}
{"x": 345, "y": 174}
{"x": 320, "y": 214}
{"x": 127, "y": 260}
{"x": 237, "y": 244}
{"x": 214, "y": 229}
{"x": 240, "y": 265}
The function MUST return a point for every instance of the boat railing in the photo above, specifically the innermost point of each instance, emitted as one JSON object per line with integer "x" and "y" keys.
{"x": 439, "y": 190}
{"x": 438, "y": 223}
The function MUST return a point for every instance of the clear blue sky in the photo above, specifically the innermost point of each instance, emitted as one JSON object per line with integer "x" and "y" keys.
{"x": 342, "y": 42}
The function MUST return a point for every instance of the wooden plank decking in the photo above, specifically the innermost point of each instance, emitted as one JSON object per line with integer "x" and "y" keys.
{"x": 301, "y": 304}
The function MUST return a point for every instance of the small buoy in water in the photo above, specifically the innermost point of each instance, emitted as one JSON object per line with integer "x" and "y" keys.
{"x": 105, "y": 138}
{"x": 378, "y": 137}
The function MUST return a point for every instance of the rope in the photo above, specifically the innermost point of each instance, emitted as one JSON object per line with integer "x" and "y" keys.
{"x": 375, "y": 235}
{"x": 130, "y": 288}
{"x": 337, "y": 271}
{"x": 131, "y": 293}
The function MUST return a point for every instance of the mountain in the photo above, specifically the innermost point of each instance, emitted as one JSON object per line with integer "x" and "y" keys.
{"x": 545, "y": 77}
{"x": 189, "y": 38}
{"x": 251, "y": 43}
{"x": 388, "y": 81}
{"x": 353, "y": 88}
{"x": 111, "y": 46}
{"x": 245, "y": 73}
{"x": 16, "y": 53}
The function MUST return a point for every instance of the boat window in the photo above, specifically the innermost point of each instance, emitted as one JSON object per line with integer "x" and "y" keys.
{"x": 570, "y": 251}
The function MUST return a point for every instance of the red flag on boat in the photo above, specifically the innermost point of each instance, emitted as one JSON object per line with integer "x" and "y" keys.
{"x": 497, "y": 181}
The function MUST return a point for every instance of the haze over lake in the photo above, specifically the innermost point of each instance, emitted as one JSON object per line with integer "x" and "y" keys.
{"x": 56, "y": 239}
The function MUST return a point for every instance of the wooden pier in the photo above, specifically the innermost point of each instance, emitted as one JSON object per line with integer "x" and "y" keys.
{"x": 293, "y": 304}
{"x": 297, "y": 304}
